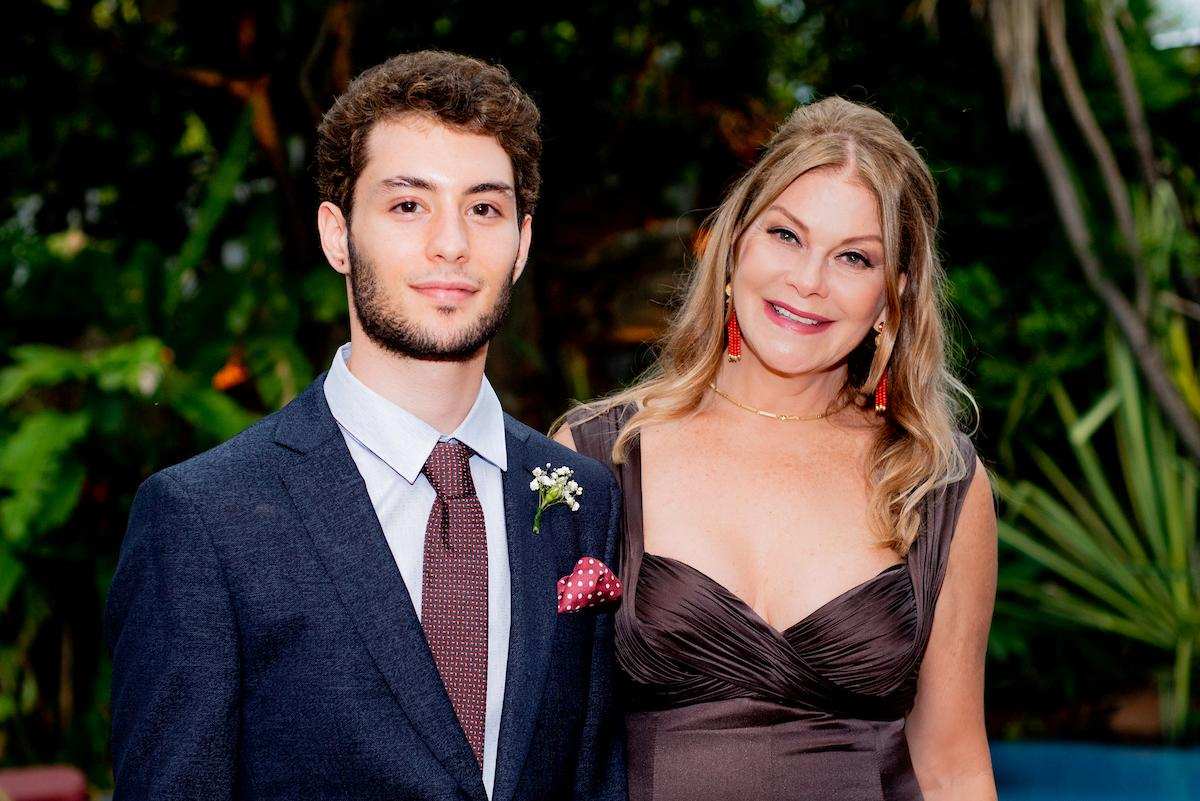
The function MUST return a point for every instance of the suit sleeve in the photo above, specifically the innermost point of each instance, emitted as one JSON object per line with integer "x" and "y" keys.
{"x": 171, "y": 631}
{"x": 600, "y": 769}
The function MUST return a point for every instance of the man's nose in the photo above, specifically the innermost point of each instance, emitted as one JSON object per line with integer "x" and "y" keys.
{"x": 448, "y": 239}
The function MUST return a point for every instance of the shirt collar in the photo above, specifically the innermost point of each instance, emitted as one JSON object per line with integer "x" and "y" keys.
{"x": 400, "y": 438}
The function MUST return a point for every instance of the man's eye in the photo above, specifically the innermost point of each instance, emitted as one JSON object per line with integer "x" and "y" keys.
{"x": 485, "y": 210}
{"x": 407, "y": 206}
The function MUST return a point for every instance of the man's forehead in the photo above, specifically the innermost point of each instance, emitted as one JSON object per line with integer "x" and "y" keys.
{"x": 418, "y": 147}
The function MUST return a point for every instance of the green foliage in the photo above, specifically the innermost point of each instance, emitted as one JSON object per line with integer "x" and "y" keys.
{"x": 40, "y": 485}
{"x": 217, "y": 198}
{"x": 1128, "y": 567}
{"x": 1170, "y": 248}
{"x": 161, "y": 284}
{"x": 38, "y": 366}
{"x": 82, "y": 418}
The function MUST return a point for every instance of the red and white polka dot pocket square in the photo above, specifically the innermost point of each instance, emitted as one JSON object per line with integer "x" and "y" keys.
{"x": 590, "y": 584}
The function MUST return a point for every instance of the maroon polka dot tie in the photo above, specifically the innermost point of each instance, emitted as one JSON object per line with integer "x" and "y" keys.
{"x": 454, "y": 587}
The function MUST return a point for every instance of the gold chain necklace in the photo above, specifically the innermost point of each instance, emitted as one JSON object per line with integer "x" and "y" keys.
{"x": 783, "y": 418}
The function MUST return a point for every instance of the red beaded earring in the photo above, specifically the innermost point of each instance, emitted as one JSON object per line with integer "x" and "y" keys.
{"x": 881, "y": 394}
{"x": 881, "y": 389}
{"x": 733, "y": 334}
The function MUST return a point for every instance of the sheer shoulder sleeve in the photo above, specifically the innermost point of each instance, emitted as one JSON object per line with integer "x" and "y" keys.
{"x": 931, "y": 551}
{"x": 595, "y": 434}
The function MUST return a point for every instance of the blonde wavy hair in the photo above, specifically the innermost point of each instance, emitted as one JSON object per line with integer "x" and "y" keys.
{"x": 914, "y": 451}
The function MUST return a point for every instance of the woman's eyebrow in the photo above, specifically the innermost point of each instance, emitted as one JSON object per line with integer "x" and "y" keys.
{"x": 796, "y": 221}
{"x": 790, "y": 216}
{"x": 867, "y": 238}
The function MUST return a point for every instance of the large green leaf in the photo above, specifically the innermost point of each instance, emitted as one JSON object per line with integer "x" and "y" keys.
{"x": 38, "y": 366}
{"x": 1096, "y": 479}
{"x": 280, "y": 369}
{"x": 1122, "y": 563}
{"x": 218, "y": 195}
{"x": 216, "y": 415}
{"x": 1083, "y": 578}
{"x": 41, "y": 485}
{"x": 11, "y": 571}
{"x": 135, "y": 367}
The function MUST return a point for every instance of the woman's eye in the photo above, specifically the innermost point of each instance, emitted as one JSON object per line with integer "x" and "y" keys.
{"x": 783, "y": 235}
{"x": 407, "y": 206}
{"x": 857, "y": 259}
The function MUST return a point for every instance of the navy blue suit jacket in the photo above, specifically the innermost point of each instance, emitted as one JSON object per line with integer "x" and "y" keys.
{"x": 264, "y": 644}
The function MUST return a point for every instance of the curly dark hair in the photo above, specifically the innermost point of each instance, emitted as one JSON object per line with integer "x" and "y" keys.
{"x": 460, "y": 92}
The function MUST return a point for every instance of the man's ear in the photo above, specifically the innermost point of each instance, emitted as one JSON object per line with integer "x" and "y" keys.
{"x": 523, "y": 248}
{"x": 335, "y": 232}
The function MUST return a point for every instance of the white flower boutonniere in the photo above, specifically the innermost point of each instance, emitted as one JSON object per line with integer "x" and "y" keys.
{"x": 554, "y": 487}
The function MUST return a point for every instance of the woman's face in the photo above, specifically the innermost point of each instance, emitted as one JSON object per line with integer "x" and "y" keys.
{"x": 809, "y": 283}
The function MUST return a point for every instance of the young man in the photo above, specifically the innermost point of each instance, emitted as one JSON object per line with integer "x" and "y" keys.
{"x": 349, "y": 600}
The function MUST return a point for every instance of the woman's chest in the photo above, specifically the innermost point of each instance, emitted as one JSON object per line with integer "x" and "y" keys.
{"x": 785, "y": 533}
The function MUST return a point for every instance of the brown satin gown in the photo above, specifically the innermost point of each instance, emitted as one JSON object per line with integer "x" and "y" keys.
{"x": 719, "y": 705}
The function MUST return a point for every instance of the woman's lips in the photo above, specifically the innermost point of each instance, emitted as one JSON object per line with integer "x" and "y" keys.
{"x": 793, "y": 325}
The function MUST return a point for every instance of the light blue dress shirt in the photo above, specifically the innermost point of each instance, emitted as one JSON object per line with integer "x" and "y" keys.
{"x": 390, "y": 446}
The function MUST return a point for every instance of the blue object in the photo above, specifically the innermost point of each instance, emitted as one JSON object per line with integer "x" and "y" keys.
{"x": 265, "y": 646}
{"x": 1031, "y": 771}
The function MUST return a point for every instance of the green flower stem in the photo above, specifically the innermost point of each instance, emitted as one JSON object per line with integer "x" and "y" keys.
{"x": 547, "y": 497}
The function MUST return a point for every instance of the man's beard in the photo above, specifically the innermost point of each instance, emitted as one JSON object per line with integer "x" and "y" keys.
{"x": 383, "y": 327}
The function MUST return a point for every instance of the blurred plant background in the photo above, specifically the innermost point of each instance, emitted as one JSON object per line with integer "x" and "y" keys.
{"x": 161, "y": 285}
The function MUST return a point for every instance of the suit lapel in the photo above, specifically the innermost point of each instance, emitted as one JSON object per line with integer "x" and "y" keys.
{"x": 533, "y": 569}
{"x": 332, "y": 501}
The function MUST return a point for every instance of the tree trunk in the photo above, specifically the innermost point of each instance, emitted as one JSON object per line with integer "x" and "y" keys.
{"x": 1131, "y": 99}
{"x": 1118, "y": 193}
{"x": 1130, "y": 323}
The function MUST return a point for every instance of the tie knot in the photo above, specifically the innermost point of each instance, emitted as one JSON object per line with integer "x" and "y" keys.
{"x": 448, "y": 469}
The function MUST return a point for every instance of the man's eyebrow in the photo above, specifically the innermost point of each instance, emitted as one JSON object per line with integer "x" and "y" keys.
{"x": 413, "y": 182}
{"x": 406, "y": 182}
{"x": 804, "y": 227}
{"x": 491, "y": 186}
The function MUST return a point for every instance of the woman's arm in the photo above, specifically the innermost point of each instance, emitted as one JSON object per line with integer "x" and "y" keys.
{"x": 945, "y": 730}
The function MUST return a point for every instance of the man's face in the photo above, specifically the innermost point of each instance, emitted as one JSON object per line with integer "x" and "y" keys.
{"x": 434, "y": 241}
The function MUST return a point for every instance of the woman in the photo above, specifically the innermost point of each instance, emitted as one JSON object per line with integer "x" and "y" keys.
{"x": 809, "y": 560}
